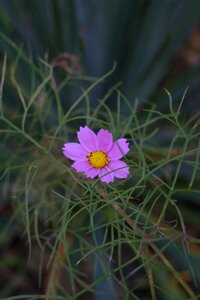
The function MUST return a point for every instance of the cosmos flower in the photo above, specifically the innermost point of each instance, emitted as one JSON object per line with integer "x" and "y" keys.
{"x": 98, "y": 155}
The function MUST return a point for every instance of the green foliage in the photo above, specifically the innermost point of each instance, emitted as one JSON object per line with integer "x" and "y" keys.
{"x": 134, "y": 239}
{"x": 106, "y": 240}
{"x": 141, "y": 36}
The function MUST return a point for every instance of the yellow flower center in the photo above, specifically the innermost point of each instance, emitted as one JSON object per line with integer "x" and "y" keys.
{"x": 98, "y": 159}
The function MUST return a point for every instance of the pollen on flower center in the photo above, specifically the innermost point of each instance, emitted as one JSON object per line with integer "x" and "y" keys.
{"x": 98, "y": 159}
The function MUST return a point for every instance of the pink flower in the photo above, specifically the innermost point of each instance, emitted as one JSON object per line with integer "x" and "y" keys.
{"x": 98, "y": 155}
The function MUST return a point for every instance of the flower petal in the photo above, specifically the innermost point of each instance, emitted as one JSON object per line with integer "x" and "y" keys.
{"x": 106, "y": 175}
{"x": 92, "y": 172}
{"x": 81, "y": 166}
{"x": 118, "y": 150}
{"x": 87, "y": 139}
{"x": 74, "y": 151}
{"x": 120, "y": 169}
{"x": 105, "y": 140}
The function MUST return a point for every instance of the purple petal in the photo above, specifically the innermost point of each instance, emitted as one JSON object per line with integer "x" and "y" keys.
{"x": 106, "y": 175}
{"x": 120, "y": 169}
{"x": 81, "y": 166}
{"x": 87, "y": 139}
{"x": 74, "y": 151}
{"x": 91, "y": 173}
{"x": 105, "y": 140}
{"x": 118, "y": 150}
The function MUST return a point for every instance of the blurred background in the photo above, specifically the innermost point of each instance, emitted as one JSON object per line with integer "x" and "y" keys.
{"x": 155, "y": 44}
